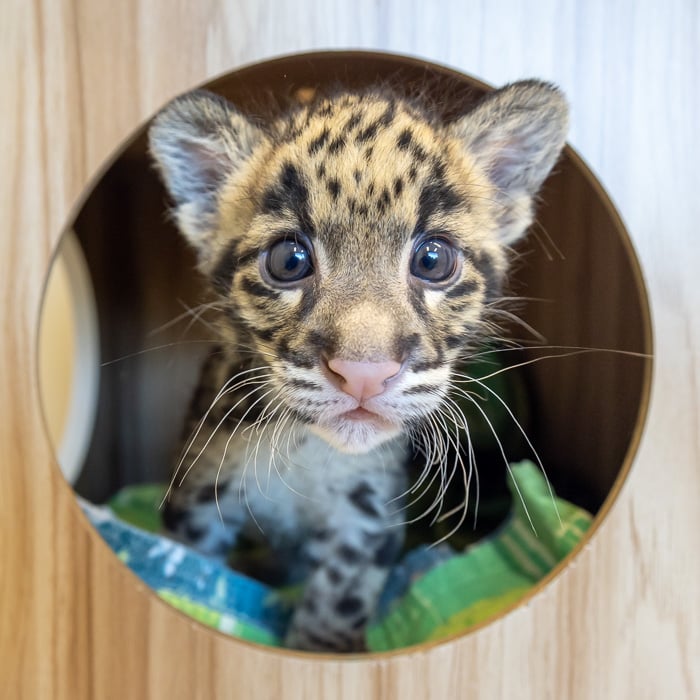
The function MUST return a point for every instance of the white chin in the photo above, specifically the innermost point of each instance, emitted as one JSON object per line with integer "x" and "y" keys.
{"x": 356, "y": 436}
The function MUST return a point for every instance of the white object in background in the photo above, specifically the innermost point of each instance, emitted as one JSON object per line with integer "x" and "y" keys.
{"x": 69, "y": 356}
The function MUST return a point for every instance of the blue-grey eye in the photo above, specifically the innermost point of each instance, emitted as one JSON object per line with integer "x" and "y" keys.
{"x": 288, "y": 261}
{"x": 434, "y": 260}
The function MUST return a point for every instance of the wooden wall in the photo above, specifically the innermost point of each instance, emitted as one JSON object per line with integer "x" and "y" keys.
{"x": 621, "y": 621}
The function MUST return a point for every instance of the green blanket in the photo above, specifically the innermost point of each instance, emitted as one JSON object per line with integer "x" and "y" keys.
{"x": 469, "y": 588}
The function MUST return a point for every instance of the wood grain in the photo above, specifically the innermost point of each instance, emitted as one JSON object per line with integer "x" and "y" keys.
{"x": 621, "y": 621}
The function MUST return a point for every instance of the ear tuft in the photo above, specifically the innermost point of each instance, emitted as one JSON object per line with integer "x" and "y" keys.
{"x": 516, "y": 134}
{"x": 198, "y": 141}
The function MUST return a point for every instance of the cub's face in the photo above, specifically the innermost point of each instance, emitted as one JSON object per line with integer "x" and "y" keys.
{"x": 358, "y": 245}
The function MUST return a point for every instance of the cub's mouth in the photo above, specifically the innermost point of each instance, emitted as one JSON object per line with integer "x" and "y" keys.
{"x": 357, "y": 430}
{"x": 359, "y": 413}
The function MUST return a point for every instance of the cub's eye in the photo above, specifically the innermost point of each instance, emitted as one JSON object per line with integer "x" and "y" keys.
{"x": 288, "y": 261}
{"x": 434, "y": 260}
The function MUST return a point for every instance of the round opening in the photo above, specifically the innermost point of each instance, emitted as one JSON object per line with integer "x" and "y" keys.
{"x": 586, "y": 379}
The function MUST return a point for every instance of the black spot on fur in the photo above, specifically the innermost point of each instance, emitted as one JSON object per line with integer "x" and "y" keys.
{"x": 454, "y": 341}
{"x": 363, "y": 210}
{"x": 362, "y": 497}
{"x": 369, "y": 132}
{"x": 194, "y": 533}
{"x": 334, "y": 575}
{"x": 302, "y": 384}
{"x": 429, "y": 364}
{"x": 307, "y": 302}
{"x": 320, "y": 343}
{"x": 412, "y": 173}
{"x": 336, "y": 145}
{"x": 436, "y": 197}
{"x": 388, "y": 117}
{"x": 317, "y": 144}
{"x": 265, "y": 334}
{"x": 172, "y": 516}
{"x": 273, "y": 201}
{"x": 358, "y": 176}
{"x": 404, "y": 140}
{"x": 273, "y": 326}
{"x": 292, "y": 182}
{"x": 321, "y": 171}
{"x": 487, "y": 267}
{"x": 222, "y": 276}
{"x": 245, "y": 257}
{"x": 398, "y": 187}
{"x": 294, "y": 357}
{"x": 388, "y": 552}
{"x": 349, "y": 606}
{"x": 289, "y": 193}
{"x": 348, "y": 554}
{"x": 368, "y": 153}
{"x": 464, "y": 288}
{"x": 439, "y": 169}
{"x": 370, "y": 189}
{"x": 334, "y": 188}
{"x": 418, "y": 152}
{"x": 321, "y": 534}
{"x": 420, "y": 389}
{"x": 258, "y": 289}
{"x": 384, "y": 199}
{"x": 417, "y": 299}
{"x": 207, "y": 493}
{"x": 354, "y": 120}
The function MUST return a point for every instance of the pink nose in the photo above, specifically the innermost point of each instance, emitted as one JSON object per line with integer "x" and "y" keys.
{"x": 363, "y": 379}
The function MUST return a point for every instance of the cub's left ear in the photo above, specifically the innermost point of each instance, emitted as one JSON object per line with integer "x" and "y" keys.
{"x": 516, "y": 134}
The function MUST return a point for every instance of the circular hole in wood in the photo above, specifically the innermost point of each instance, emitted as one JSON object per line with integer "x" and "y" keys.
{"x": 585, "y": 374}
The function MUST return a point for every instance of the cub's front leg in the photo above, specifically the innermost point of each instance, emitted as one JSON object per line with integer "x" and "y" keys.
{"x": 350, "y": 558}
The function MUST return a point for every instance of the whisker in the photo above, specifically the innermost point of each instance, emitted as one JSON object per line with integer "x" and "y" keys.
{"x": 466, "y": 479}
{"x": 505, "y": 459}
{"x": 195, "y": 311}
{"x": 155, "y": 348}
{"x": 257, "y": 380}
{"x": 223, "y": 420}
{"x": 573, "y": 353}
{"x": 530, "y": 445}
{"x": 226, "y": 389}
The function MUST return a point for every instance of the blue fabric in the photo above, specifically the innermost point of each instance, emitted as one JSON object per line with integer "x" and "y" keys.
{"x": 168, "y": 566}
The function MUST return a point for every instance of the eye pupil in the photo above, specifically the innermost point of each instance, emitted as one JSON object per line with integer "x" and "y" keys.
{"x": 430, "y": 259}
{"x": 434, "y": 260}
{"x": 289, "y": 260}
{"x": 294, "y": 260}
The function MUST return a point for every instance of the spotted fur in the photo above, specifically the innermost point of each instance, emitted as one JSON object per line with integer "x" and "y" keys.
{"x": 359, "y": 180}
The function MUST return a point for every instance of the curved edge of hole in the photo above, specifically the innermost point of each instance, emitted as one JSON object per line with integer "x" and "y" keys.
{"x": 89, "y": 312}
{"x": 69, "y": 311}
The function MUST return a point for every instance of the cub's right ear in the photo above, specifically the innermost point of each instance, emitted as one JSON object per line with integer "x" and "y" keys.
{"x": 198, "y": 141}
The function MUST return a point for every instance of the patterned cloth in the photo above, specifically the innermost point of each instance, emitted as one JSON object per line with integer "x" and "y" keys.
{"x": 198, "y": 586}
{"x": 432, "y": 593}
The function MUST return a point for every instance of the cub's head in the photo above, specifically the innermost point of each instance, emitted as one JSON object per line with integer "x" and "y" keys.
{"x": 357, "y": 244}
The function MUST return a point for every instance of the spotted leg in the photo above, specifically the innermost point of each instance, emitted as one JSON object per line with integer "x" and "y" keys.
{"x": 351, "y": 557}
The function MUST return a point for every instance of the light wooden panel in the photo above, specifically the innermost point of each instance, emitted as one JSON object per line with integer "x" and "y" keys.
{"x": 621, "y": 621}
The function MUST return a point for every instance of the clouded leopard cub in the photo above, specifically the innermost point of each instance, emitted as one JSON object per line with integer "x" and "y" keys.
{"x": 355, "y": 246}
